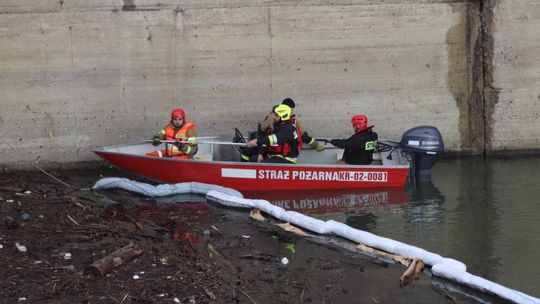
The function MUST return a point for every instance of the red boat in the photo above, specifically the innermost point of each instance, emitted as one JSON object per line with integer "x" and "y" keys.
{"x": 213, "y": 164}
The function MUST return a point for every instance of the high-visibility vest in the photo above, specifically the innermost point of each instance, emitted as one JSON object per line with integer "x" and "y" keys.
{"x": 171, "y": 133}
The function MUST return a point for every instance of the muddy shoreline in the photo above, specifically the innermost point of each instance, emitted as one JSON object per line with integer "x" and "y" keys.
{"x": 192, "y": 251}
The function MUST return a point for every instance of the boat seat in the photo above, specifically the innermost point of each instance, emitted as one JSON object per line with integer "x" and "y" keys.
{"x": 204, "y": 156}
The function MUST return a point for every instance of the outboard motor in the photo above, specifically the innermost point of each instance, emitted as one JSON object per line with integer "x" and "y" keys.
{"x": 425, "y": 145}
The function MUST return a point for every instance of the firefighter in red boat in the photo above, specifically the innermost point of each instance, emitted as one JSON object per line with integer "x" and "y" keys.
{"x": 265, "y": 127}
{"x": 359, "y": 148}
{"x": 282, "y": 145}
{"x": 182, "y": 132}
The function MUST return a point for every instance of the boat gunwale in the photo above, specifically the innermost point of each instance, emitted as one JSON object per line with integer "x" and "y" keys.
{"x": 102, "y": 150}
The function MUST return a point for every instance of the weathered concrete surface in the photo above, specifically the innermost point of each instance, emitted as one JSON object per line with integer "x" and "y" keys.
{"x": 48, "y": 6}
{"x": 77, "y": 74}
{"x": 72, "y": 81}
{"x": 512, "y": 90}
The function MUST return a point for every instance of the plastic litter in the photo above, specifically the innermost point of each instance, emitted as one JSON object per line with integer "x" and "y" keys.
{"x": 21, "y": 248}
{"x": 70, "y": 267}
{"x": 136, "y": 277}
{"x": 22, "y": 299}
{"x": 27, "y": 192}
{"x": 67, "y": 256}
{"x": 26, "y": 216}
{"x": 9, "y": 201}
{"x": 284, "y": 261}
{"x": 1, "y": 246}
{"x": 176, "y": 300}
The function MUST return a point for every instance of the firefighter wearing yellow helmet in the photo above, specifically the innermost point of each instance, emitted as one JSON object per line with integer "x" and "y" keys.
{"x": 265, "y": 127}
{"x": 282, "y": 145}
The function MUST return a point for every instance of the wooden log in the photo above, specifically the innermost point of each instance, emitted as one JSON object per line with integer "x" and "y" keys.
{"x": 412, "y": 273}
{"x": 113, "y": 260}
{"x": 293, "y": 229}
{"x": 256, "y": 215}
{"x": 398, "y": 258}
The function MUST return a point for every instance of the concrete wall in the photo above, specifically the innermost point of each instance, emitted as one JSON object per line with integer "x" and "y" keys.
{"x": 512, "y": 87}
{"x": 77, "y": 74}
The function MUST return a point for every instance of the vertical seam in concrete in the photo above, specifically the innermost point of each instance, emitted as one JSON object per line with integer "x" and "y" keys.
{"x": 71, "y": 45}
{"x": 477, "y": 104}
{"x": 175, "y": 53}
{"x": 462, "y": 38}
{"x": 482, "y": 57}
{"x": 489, "y": 93}
{"x": 271, "y": 59}
{"x": 482, "y": 92}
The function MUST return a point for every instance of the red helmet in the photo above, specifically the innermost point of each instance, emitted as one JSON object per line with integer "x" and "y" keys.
{"x": 359, "y": 122}
{"x": 178, "y": 112}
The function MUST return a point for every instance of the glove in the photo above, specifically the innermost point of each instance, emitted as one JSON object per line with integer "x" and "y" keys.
{"x": 156, "y": 141}
{"x": 179, "y": 145}
{"x": 317, "y": 146}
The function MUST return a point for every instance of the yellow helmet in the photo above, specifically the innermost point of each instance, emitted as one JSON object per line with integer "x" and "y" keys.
{"x": 283, "y": 111}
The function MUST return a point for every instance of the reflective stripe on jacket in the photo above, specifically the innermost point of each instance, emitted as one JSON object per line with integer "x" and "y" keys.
{"x": 284, "y": 142}
{"x": 187, "y": 133}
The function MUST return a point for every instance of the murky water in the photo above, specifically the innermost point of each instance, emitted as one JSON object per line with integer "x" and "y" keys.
{"x": 484, "y": 212}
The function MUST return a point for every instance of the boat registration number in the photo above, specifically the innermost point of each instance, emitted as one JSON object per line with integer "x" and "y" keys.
{"x": 355, "y": 176}
{"x": 342, "y": 176}
{"x": 307, "y": 175}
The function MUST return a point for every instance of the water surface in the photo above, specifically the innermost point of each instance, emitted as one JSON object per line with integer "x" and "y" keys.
{"x": 483, "y": 211}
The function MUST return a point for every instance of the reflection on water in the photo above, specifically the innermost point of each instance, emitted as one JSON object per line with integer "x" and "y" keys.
{"x": 325, "y": 203}
{"x": 481, "y": 211}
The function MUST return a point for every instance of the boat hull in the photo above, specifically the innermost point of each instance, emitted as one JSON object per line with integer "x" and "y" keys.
{"x": 260, "y": 176}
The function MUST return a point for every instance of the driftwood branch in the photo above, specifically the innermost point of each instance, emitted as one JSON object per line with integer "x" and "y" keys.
{"x": 413, "y": 272}
{"x": 220, "y": 257}
{"x": 398, "y": 258}
{"x": 415, "y": 267}
{"x": 293, "y": 229}
{"x": 113, "y": 260}
{"x": 256, "y": 215}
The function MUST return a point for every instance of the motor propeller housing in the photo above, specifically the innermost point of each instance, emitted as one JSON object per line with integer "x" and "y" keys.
{"x": 425, "y": 144}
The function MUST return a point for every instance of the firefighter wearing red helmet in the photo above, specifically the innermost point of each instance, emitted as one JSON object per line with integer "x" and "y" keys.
{"x": 182, "y": 132}
{"x": 359, "y": 148}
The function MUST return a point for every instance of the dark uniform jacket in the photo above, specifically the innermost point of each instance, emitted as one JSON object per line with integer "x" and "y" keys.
{"x": 358, "y": 148}
{"x": 266, "y": 126}
{"x": 285, "y": 136}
